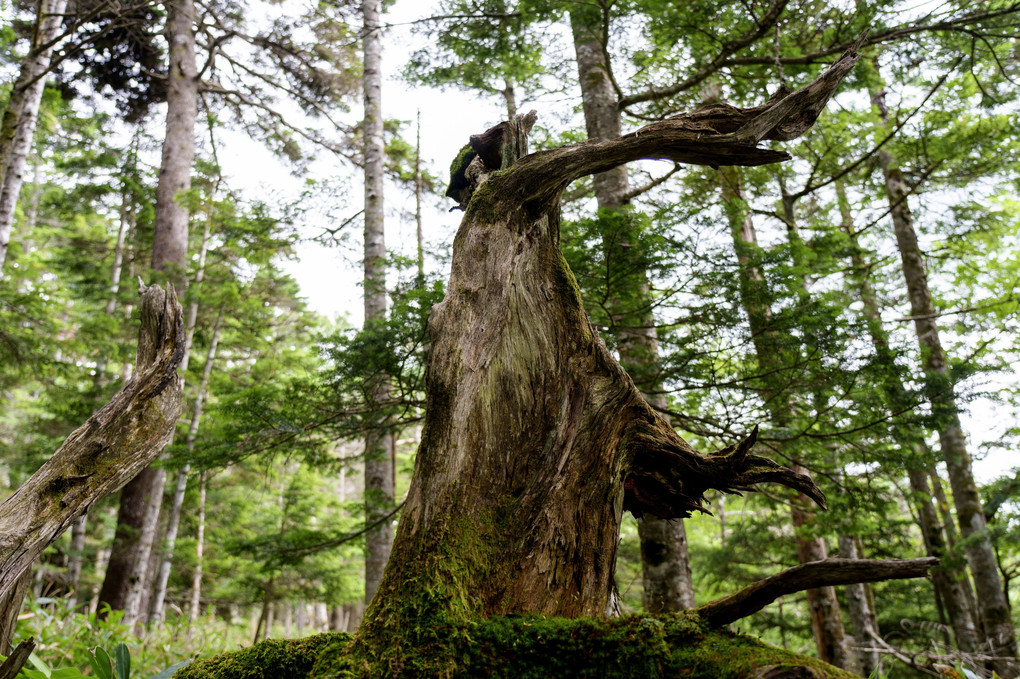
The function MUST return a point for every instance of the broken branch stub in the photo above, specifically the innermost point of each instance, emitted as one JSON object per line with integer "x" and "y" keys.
{"x": 106, "y": 452}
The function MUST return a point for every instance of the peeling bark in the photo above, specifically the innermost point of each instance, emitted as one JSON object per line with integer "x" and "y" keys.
{"x": 535, "y": 438}
{"x": 99, "y": 457}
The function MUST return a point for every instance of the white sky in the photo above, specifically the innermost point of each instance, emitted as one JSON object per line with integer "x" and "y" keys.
{"x": 330, "y": 278}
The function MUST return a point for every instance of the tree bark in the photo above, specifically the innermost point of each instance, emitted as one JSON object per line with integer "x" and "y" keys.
{"x": 11, "y": 603}
{"x": 142, "y": 498}
{"x": 536, "y": 441}
{"x": 105, "y": 452}
{"x": 17, "y": 129}
{"x": 993, "y": 607}
{"x": 11, "y": 667}
{"x": 378, "y": 440}
{"x": 665, "y": 562}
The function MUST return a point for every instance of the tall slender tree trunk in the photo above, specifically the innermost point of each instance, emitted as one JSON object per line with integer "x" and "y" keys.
{"x": 510, "y": 98}
{"x": 992, "y": 603}
{"x": 17, "y": 128}
{"x": 826, "y": 620}
{"x": 174, "y": 520}
{"x": 155, "y": 608}
{"x": 861, "y": 615}
{"x": 665, "y": 563}
{"x": 824, "y": 604}
{"x": 950, "y": 589}
{"x": 142, "y": 498}
{"x": 196, "y": 578}
{"x": 419, "y": 188}
{"x": 378, "y": 440}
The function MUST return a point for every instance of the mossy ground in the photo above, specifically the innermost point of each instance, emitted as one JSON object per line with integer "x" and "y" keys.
{"x": 521, "y": 648}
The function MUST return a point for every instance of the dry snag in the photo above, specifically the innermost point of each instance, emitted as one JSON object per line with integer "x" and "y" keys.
{"x": 106, "y": 452}
{"x": 536, "y": 440}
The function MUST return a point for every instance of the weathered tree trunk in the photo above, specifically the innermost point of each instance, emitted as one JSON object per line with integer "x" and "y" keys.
{"x": 142, "y": 498}
{"x": 665, "y": 563}
{"x": 11, "y": 603}
{"x": 993, "y": 607}
{"x": 17, "y": 128}
{"x": 111, "y": 447}
{"x": 950, "y": 590}
{"x": 536, "y": 441}
{"x": 774, "y": 352}
{"x": 378, "y": 440}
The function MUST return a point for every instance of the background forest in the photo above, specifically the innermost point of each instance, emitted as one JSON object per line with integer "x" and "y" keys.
{"x": 859, "y": 303}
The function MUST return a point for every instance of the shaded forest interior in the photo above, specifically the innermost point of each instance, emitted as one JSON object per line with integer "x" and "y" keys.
{"x": 689, "y": 248}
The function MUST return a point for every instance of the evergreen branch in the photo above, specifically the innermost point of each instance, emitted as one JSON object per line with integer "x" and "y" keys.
{"x": 763, "y": 26}
{"x": 725, "y": 60}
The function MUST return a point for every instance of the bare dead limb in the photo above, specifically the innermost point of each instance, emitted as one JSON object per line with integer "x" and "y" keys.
{"x": 10, "y": 667}
{"x": 714, "y": 135}
{"x": 828, "y": 573}
{"x": 106, "y": 452}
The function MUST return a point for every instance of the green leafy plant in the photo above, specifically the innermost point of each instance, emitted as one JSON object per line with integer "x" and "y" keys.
{"x": 103, "y": 666}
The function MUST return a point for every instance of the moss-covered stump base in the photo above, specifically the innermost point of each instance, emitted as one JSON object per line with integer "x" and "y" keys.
{"x": 524, "y": 648}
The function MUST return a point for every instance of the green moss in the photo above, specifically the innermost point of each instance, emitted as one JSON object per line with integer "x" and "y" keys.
{"x": 462, "y": 160}
{"x": 527, "y": 648}
{"x": 270, "y": 659}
